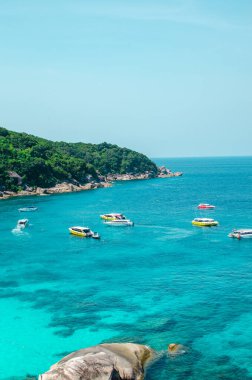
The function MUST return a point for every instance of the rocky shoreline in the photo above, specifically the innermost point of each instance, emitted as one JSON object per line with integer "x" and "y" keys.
{"x": 147, "y": 175}
{"x": 67, "y": 187}
{"x": 60, "y": 188}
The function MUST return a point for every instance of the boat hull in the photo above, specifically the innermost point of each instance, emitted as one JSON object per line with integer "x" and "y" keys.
{"x": 81, "y": 234}
{"x": 119, "y": 224}
{"x": 205, "y": 224}
{"x": 240, "y": 236}
{"x": 93, "y": 235}
{"x": 206, "y": 207}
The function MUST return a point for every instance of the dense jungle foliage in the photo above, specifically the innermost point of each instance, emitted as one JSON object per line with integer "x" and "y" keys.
{"x": 44, "y": 163}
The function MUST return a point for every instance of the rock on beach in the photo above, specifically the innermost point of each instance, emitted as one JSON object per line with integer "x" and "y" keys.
{"x": 115, "y": 361}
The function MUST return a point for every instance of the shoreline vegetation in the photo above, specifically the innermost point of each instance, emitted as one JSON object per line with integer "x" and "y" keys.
{"x": 31, "y": 165}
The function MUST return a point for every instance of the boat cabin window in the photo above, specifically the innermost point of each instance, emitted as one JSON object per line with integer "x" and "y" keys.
{"x": 77, "y": 229}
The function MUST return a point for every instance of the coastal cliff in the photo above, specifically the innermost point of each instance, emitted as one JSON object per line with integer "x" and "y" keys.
{"x": 115, "y": 361}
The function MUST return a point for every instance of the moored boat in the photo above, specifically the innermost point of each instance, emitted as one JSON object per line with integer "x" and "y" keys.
{"x": 122, "y": 222}
{"x": 241, "y": 233}
{"x": 27, "y": 209}
{"x": 205, "y": 206}
{"x": 113, "y": 216}
{"x": 204, "y": 222}
{"x": 83, "y": 232}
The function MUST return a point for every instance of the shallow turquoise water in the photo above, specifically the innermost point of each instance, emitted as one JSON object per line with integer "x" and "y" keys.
{"x": 159, "y": 282}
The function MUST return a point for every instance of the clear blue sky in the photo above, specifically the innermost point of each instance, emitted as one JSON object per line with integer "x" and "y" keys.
{"x": 163, "y": 77}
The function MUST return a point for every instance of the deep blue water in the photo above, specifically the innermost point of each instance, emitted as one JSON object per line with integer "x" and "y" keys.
{"x": 161, "y": 281}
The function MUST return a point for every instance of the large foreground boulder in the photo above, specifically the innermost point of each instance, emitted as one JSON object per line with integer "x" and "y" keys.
{"x": 115, "y": 361}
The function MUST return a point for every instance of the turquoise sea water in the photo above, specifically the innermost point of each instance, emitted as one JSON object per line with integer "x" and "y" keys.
{"x": 161, "y": 281}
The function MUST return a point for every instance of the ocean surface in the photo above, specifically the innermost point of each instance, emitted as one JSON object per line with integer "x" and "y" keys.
{"x": 158, "y": 282}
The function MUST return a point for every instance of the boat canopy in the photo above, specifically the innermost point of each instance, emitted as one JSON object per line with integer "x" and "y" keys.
{"x": 243, "y": 232}
{"x": 203, "y": 220}
{"x": 81, "y": 229}
{"x": 114, "y": 215}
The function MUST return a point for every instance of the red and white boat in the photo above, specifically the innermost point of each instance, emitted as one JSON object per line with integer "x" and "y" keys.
{"x": 206, "y": 206}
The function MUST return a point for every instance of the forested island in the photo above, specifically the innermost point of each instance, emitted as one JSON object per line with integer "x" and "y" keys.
{"x": 44, "y": 163}
{"x": 29, "y": 162}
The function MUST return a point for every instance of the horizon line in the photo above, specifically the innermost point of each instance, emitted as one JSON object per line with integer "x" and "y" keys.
{"x": 225, "y": 156}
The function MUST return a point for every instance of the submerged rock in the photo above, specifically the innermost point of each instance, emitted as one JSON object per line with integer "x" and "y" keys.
{"x": 115, "y": 361}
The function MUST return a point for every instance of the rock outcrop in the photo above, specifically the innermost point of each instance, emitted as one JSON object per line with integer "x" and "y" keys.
{"x": 163, "y": 172}
{"x": 115, "y": 361}
{"x": 130, "y": 177}
{"x": 64, "y": 187}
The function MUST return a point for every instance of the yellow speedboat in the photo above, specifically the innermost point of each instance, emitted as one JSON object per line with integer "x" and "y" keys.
{"x": 113, "y": 216}
{"x": 204, "y": 222}
{"x": 83, "y": 232}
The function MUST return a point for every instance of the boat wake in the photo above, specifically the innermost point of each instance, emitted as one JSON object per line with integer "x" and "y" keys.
{"x": 177, "y": 233}
{"x": 169, "y": 233}
{"x": 19, "y": 231}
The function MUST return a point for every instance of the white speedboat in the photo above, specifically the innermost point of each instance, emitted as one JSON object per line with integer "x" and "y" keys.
{"x": 22, "y": 223}
{"x": 122, "y": 222}
{"x": 27, "y": 209}
{"x": 241, "y": 234}
{"x": 83, "y": 232}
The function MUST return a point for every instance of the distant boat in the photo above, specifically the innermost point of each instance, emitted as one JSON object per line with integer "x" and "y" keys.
{"x": 122, "y": 222}
{"x": 204, "y": 222}
{"x": 22, "y": 223}
{"x": 113, "y": 216}
{"x": 83, "y": 232}
{"x": 116, "y": 219}
{"x": 27, "y": 209}
{"x": 241, "y": 234}
{"x": 205, "y": 206}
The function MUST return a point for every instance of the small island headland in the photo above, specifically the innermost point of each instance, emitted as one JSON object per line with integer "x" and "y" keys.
{"x": 115, "y": 361}
{"x": 30, "y": 165}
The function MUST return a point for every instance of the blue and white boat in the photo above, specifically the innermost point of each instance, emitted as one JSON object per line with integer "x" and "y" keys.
{"x": 241, "y": 234}
{"x": 27, "y": 209}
